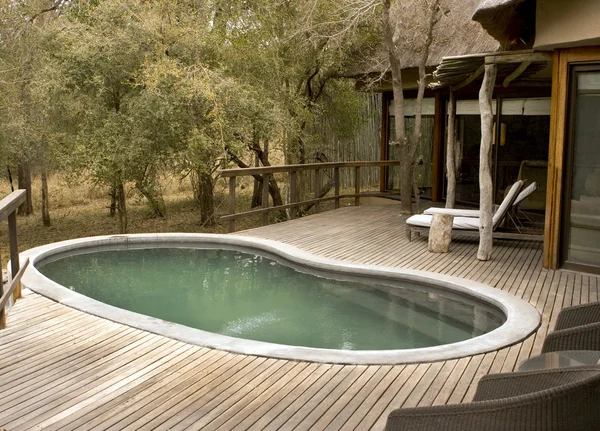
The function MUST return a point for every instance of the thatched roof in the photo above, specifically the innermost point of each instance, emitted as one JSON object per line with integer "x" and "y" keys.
{"x": 455, "y": 34}
{"x": 512, "y": 67}
{"x": 511, "y": 22}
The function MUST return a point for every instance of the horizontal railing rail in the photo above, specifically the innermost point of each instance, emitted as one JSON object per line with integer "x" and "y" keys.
{"x": 8, "y": 210}
{"x": 264, "y": 173}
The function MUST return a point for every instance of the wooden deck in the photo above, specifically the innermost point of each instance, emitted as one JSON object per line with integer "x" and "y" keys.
{"x": 63, "y": 369}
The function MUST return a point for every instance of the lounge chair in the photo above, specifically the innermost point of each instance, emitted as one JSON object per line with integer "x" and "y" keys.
{"x": 513, "y": 213}
{"x": 577, "y": 328}
{"x": 562, "y": 399}
{"x": 465, "y": 224}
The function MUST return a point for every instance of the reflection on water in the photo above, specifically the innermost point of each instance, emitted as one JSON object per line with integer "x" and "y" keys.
{"x": 253, "y": 297}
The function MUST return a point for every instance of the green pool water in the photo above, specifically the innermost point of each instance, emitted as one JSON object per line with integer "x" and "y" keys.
{"x": 253, "y": 297}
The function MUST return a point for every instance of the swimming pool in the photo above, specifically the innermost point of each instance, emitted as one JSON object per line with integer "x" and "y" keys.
{"x": 261, "y": 297}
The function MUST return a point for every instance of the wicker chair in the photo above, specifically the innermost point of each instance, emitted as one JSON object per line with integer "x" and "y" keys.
{"x": 577, "y": 328}
{"x": 562, "y": 399}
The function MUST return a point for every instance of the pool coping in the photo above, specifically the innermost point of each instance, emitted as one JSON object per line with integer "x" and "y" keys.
{"x": 522, "y": 319}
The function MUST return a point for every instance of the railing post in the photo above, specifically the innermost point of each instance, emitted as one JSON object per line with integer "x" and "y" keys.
{"x": 357, "y": 185}
{"x": 317, "y": 188}
{"x": 293, "y": 196}
{"x": 2, "y": 312}
{"x": 336, "y": 185}
{"x": 231, "y": 203}
{"x": 265, "y": 198}
{"x": 14, "y": 251}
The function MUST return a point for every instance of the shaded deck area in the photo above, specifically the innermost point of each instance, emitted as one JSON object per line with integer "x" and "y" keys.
{"x": 63, "y": 369}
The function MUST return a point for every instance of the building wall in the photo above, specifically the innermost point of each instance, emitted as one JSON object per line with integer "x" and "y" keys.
{"x": 567, "y": 23}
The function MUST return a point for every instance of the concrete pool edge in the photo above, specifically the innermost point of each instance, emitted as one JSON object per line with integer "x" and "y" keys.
{"x": 522, "y": 318}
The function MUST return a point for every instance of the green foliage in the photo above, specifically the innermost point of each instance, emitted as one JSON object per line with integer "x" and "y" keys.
{"x": 125, "y": 90}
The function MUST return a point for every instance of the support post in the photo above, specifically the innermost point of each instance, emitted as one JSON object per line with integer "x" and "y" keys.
{"x": 317, "y": 189}
{"x": 336, "y": 185}
{"x": 231, "y": 203}
{"x": 293, "y": 196}
{"x": 265, "y": 198}
{"x": 485, "y": 160}
{"x": 14, "y": 251}
{"x": 2, "y": 311}
{"x": 357, "y": 186}
{"x": 450, "y": 153}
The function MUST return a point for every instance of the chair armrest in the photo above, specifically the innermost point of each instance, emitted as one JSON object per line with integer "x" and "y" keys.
{"x": 585, "y": 337}
{"x": 453, "y": 212}
{"x": 506, "y": 385}
{"x": 578, "y": 315}
{"x": 571, "y": 403}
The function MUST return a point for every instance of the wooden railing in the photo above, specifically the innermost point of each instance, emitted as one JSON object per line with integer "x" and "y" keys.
{"x": 8, "y": 210}
{"x": 292, "y": 171}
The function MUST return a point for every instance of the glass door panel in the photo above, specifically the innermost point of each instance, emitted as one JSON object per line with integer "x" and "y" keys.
{"x": 581, "y": 240}
{"x": 522, "y": 153}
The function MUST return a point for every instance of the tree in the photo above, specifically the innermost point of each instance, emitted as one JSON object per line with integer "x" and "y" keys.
{"x": 395, "y": 30}
{"x": 36, "y": 119}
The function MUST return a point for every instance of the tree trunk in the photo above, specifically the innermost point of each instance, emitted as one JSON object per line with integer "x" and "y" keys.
{"x": 407, "y": 150}
{"x": 257, "y": 189}
{"x": 45, "y": 203}
{"x": 274, "y": 190}
{"x": 121, "y": 206}
{"x": 405, "y": 163}
{"x": 485, "y": 161}
{"x": 153, "y": 196}
{"x": 206, "y": 198}
{"x": 450, "y": 153}
{"x": 24, "y": 180}
{"x": 113, "y": 201}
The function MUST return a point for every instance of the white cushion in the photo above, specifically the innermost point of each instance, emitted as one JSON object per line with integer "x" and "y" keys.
{"x": 507, "y": 202}
{"x": 525, "y": 193}
{"x": 452, "y": 211}
{"x": 464, "y": 223}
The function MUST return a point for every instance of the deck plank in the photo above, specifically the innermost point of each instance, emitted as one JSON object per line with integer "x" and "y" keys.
{"x": 63, "y": 369}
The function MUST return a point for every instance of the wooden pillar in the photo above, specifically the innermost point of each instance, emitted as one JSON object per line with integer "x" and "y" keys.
{"x": 357, "y": 185}
{"x": 336, "y": 185}
{"x": 437, "y": 174}
{"x": 231, "y": 203}
{"x": 450, "y": 153}
{"x": 385, "y": 136}
{"x": 317, "y": 189}
{"x": 2, "y": 311}
{"x": 14, "y": 251}
{"x": 265, "y": 198}
{"x": 486, "y": 187}
{"x": 293, "y": 193}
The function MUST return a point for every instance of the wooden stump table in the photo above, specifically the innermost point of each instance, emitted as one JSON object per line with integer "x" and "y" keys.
{"x": 440, "y": 233}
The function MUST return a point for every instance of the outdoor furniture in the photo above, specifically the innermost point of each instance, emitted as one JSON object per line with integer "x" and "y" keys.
{"x": 563, "y": 399}
{"x": 512, "y": 213}
{"x": 422, "y": 222}
{"x": 562, "y": 359}
{"x": 577, "y": 328}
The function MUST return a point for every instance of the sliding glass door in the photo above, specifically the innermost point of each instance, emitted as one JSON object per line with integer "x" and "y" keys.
{"x": 581, "y": 216}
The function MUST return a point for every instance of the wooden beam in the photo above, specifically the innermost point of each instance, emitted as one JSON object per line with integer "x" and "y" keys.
{"x": 10, "y": 203}
{"x": 472, "y": 77}
{"x": 303, "y": 167}
{"x": 516, "y": 73}
{"x": 532, "y": 57}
